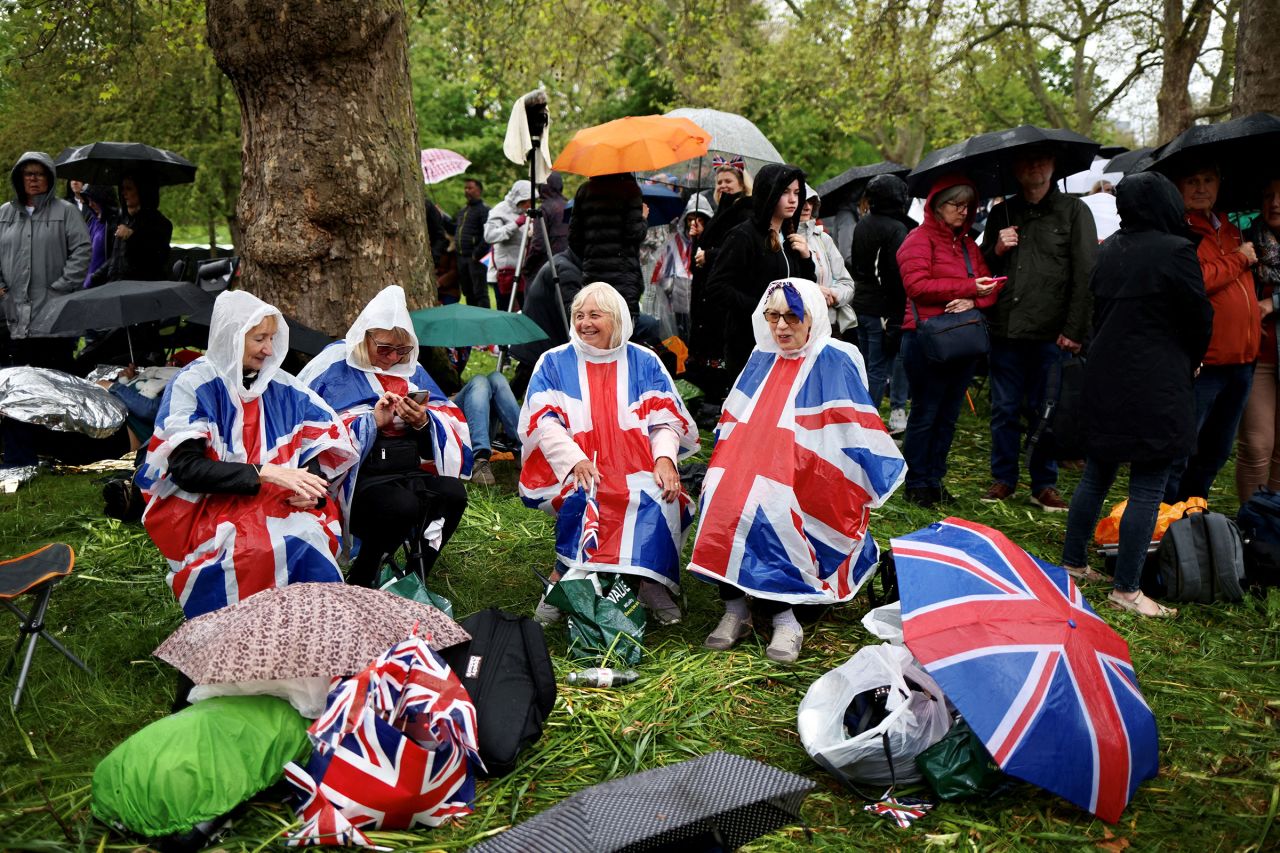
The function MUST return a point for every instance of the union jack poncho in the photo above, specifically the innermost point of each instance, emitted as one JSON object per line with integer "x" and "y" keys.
{"x": 222, "y": 548}
{"x": 353, "y": 390}
{"x": 801, "y": 458}
{"x": 609, "y": 401}
{"x": 395, "y": 747}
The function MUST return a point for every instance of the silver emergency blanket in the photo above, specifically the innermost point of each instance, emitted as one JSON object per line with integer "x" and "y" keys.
{"x": 51, "y": 398}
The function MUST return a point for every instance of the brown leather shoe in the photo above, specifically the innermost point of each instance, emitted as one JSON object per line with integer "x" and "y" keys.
{"x": 997, "y": 492}
{"x": 1049, "y": 500}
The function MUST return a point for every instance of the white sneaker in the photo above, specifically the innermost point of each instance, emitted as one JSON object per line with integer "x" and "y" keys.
{"x": 897, "y": 421}
{"x": 731, "y": 629}
{"x": 657, "y": 598}
{"x": 546, "y": 614}
{"x": 785, "y": 645}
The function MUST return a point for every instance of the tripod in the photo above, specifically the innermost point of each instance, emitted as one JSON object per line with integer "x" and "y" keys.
{"x": 536, "y": 113}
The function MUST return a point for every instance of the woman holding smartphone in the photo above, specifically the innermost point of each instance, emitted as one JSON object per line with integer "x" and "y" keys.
{"x": 413, "y": 442}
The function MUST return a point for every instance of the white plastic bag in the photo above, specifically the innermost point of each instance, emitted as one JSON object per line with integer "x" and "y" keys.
{"x": 917, "y": 718}
{"x": 885, "y": 622}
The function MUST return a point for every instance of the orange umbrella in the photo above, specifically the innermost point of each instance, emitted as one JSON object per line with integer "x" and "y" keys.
{"x": 632, "y": 144}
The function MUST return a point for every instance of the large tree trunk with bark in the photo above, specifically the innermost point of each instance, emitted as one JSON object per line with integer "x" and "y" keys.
{"x": 331, "y": 205}
{"x": 1184, "y": 36}
{"x": 1257, "y": 85}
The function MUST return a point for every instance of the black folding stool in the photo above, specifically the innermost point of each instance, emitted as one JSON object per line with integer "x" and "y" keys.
{"x": 36, "y": 574}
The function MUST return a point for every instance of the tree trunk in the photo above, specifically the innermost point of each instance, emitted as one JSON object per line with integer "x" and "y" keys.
{"x": 331, "y": 203}
{"x": 1183, "y": 38}
{"x": 1257, "y": 72}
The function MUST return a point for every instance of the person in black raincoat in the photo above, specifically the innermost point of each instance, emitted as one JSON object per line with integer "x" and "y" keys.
{"x": 706, "y": 338}
{"x": 879, "y": 299}
{"x": 606, "y": 231}
{"x": 763, "y": 249}
{"x": 140, "y": 242}
{"x": 1152, "y": 322}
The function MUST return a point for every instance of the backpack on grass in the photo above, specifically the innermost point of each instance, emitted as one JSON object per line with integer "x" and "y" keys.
{"x": 1259, "y": 521}
{"x": 507, "y": 672}
{"x": 1201, "y": 559}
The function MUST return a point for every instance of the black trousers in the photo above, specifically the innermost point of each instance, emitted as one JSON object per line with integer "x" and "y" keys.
{"x": 386, "y": 510}
{"x": 472, "y": 282}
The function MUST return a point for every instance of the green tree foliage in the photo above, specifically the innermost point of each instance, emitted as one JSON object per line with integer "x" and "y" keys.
{"x": 80, "y": 72}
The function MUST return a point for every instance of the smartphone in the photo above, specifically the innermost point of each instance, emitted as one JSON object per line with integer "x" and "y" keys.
{"x": 419, "y": 397}
{"x": 999, "y": 280}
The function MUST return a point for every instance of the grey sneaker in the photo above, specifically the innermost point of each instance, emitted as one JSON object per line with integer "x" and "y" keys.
{"x": 546, "y": 614}
{"x": 731, "y": 630}
{"x": 657, "y": 600}
{"x": 482, "y": 474}
{"x": 897, "y": 421}
{"x": 785, "y": 645}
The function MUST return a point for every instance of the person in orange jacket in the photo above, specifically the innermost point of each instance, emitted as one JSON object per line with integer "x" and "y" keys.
{"x": 1222, "y": 386}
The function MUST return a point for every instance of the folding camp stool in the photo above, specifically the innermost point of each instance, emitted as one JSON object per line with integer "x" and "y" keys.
{"x": 36, "y": 574}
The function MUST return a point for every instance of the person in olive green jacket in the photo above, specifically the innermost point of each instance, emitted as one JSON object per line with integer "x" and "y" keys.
{"x": 1045, "y": 242}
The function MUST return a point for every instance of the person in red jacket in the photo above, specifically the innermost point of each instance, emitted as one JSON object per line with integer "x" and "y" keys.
{"x": 1222, "y": 387}
{"x": 942, "y": 271}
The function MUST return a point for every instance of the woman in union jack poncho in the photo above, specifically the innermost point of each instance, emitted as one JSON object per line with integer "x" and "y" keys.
{"x": 603, "y": 427}
{"x": 801, "y": 459}
{"x": 236, "y": 473}
{"x": 413, "y": 443}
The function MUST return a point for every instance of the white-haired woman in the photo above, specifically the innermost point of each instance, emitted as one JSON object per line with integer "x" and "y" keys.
{"x": 238, "y": 469}
{"x": 801, "y": 458}
{"x": 603, "y": 428}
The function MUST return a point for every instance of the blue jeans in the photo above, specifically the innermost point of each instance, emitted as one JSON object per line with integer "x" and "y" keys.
{"x": 899, "y": 385}
{"x": 1221, "y": 392}
{"x": 1019, "y": 376}
{"x": 937, "y": 392}
{"x": 870, "y": 342}
{"x": 476, "y": 398}
{"x": 1146, "y": 486}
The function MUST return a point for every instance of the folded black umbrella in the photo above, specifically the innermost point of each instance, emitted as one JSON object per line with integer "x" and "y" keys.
{"x": 987, "y": 159}
{"x": 851, "y": 182}
{"x": 1244, "y": 150}
{"x": 1129, "y": 161}
{"x": 109, "y": 162}
{"x": 716, "y": 802}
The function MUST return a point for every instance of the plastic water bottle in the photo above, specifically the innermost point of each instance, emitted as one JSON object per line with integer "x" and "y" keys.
{"x": 602, "y": 677}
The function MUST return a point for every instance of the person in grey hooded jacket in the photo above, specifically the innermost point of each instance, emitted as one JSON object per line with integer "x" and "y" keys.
{"x": 44, "y": 250}
{"x": 504, "y": 230}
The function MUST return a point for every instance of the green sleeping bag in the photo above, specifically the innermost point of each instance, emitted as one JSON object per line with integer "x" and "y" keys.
{"x": 198, "y": 764}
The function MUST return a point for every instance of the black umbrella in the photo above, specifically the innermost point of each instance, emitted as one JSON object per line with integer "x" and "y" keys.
{"x": 1244, "y": 150}
{"x": 987, "y": 159}
{"x": 1130, "y": 161}
{"x": 718, "y": 801}
{"x": 852, "y": 182}
{"x": 302, "y": 338}
{"x": 126, "y": 303}
{"x": 110, "y": 162}
{"x": 1112, "y": 151}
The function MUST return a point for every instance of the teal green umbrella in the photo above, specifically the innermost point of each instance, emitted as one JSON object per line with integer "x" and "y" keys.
{"x": 461, "y": 325}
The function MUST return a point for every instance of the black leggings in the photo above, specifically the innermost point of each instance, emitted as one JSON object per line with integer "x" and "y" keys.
{"x": 763, "y": 606}
{"x": 385, "y": 512}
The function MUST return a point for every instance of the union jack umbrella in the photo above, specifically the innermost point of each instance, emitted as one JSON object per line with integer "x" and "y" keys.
{"x": 394, "y": 748}
{"x": 440, "y": 164}
{"x": 1041, "y": 679}
{"x": 590, "y": 529}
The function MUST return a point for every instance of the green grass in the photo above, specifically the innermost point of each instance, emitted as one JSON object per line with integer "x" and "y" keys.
{"x": 1211, "y": 675}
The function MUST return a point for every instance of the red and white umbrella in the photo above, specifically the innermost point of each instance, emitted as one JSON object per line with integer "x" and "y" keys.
{"x": 439, "y": 164}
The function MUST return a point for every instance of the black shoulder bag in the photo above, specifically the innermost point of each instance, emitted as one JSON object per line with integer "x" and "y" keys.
{"x": 953, "y": 337}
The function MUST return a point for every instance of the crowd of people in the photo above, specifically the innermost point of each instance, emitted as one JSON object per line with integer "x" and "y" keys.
{"x": 255, "y": 478}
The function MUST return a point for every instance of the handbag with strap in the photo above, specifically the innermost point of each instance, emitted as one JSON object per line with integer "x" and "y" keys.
{"x": 953, "y": 337}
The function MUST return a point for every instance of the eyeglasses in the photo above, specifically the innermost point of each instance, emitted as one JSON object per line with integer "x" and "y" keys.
{"x": 958, "y": 206}
{"x": 387, "y": 349}
{"x": 772, "y": 318}
{"x": 36, "y": 174}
